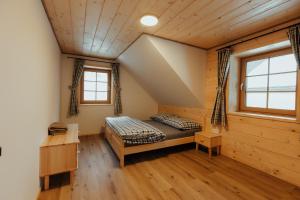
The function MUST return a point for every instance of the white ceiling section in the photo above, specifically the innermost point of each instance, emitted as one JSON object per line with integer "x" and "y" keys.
{"x": 171, "y": 72}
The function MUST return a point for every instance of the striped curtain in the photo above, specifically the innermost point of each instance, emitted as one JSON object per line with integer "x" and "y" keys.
{"x": 117, "y": 88}
{"x": 294, "y": 36}
{"x": 219, "y": 113}
{"x": 77, "y": 73}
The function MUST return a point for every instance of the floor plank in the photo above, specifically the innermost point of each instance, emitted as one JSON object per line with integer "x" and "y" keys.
{"x": 173, "y": 173}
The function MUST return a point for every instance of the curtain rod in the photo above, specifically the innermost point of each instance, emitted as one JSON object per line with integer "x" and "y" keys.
{"x": 242, "y": 41}
{"x": 94, "y": 60}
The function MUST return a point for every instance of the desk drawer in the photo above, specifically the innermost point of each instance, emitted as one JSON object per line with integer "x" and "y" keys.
{"x": 58, "y": 159}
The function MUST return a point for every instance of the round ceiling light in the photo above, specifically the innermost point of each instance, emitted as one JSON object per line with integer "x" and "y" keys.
{"x": 149, "y": 20}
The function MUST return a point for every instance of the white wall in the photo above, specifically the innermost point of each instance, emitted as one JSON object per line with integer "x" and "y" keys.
{"x": 173, "y": 73}
{"x": 188, "y": 63}
{"x": 29, "y": 86}
{"x": 136, "y": 101}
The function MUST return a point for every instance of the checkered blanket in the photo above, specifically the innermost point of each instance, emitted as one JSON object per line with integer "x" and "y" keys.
{"x": 176, "y": 122}
{"x": 161, "y": 117}
{"x": 134, "y": 131}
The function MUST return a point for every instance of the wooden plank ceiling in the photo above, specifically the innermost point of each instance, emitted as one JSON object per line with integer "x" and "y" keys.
{"x": 105, "y": 28}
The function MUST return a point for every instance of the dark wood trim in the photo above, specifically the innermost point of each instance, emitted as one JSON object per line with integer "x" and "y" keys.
{"x": 102, "y": 61}
{"x": 242, "y": 93}
{"x": 89, "y": 58}
{"x": 109, "y": 89}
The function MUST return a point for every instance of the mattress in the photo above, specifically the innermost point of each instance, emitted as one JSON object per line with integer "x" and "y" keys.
{"x": 169, "y": 131}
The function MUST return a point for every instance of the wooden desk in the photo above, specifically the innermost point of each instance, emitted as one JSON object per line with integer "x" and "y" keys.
{"x": 209, "y": 140}
{"x": 58, "y": 154}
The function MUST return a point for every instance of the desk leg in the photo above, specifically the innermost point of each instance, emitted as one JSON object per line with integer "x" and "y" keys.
{"x": 220, "y": 150}
{"x": 46, "y": 182}
{"x": 197, "y": 146}
{"x": 209, "y": 153}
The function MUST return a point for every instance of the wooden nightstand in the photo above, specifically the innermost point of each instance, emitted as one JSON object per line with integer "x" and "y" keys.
{"x": 209, "y": 140}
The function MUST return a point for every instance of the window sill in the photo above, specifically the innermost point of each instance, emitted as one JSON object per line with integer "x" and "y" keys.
{"x": 264, "y": 116}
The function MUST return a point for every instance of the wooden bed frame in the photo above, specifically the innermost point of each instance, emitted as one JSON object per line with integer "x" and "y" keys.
{"x": 121, "y": 150}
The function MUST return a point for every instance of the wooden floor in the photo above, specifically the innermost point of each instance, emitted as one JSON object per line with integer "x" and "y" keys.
{"x": 175, "y": 173}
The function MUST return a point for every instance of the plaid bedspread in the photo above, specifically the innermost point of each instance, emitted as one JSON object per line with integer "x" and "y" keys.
{"x": 134, "y": 131}
{"x": 181, "y": 123}
{"x": 176, "y": 122}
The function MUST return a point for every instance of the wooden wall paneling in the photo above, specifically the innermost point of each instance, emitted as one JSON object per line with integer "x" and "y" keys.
{"x": 280, "y": 148}
{"x": 187, "y": 16}
{"x": 108, "y": 15}
{"x": 224, "y": 16}
{"x": 254, "y": 157}
{"x": 257, "y": 12}
{"x": 200, "y": 21}
{"x": 162, "y": 7}
{"x": 259, "y": 21}
{"x": 289, "y": 125}
{"x": 63, "y": 16}
{"x": 78, "y": 8}
{"x": 246, "y": 22}
{"x": 175, "y": 9}
{"x": 134, "y": 29}
{"x": 270, "y": 145}
{"x": 93, "y": 12}
{"x": 110, "y": 26}
{"x": 157, "y": 9}
{"x": 268, "y": 132}
{"x": 124, "y": 12}
{"x": 122, "y": 38}
{"x": 279, "y": 36}
{"x": 258, "y": 153}
{"x": 57, "y": 28}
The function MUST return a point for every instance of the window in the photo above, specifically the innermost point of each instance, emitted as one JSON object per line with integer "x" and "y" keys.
{"x": 268, "y": 83}
{"x": 95, "y": 86}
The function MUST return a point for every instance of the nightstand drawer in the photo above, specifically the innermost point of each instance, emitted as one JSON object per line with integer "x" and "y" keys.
{"x": 202, "y": 140}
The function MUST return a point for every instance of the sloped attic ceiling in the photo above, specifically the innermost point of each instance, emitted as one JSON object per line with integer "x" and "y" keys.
{"x": 171, "y": 72}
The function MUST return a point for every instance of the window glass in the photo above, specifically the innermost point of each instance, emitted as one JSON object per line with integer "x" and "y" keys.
{"x": 88, "y": 85}
{"x": 282, "y": 100}
{"x": 283, "y": 82}
{"x": 89, "y": 95}
{"x": 257, "y": 67}
{"x": 101, "y": 95}
{"x": 286, "y": 63}
{"x": 257, "y": 83}
{"x": 102, "y": 77}
{"x": 256, "y": 99}
{"x": 102, "y": 86}
{"x": 89, "y": 76}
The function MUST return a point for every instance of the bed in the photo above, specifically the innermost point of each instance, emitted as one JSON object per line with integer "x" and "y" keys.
{"x": 172, "y": 137}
